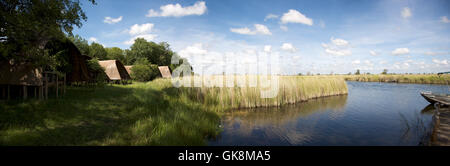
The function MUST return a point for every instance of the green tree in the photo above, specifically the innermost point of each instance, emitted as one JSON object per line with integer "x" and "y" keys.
{"x": 27, "y": 25}
{"x": 81, "y": 43}
{"x": 142, "y": 70}
{"x": 116, "y": 53}
{"x": 384, "y": 71}
{"x": 97, "y": 51}
{"x": 357, "y": 72}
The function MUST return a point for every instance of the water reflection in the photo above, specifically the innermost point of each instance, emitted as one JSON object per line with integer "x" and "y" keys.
{"x": 279, "y": 126}
{"x": 371, "y": 114}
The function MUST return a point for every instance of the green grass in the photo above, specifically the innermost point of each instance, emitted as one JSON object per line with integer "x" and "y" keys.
{"x": 153, "y": 113}
{"x": 138, "y": 114}
{"x": 292, "y": 89}
{"x": 416, "y": 78}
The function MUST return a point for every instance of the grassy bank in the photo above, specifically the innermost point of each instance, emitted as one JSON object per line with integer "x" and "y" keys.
{"x": 138, "y": 114}
{"x": 153, "y": 113}
{"x": 416, "y": 79}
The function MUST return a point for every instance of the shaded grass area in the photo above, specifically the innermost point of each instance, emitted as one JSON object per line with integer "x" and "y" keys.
{"x": 138, "y": 114}
{"x": 416, "y": 78}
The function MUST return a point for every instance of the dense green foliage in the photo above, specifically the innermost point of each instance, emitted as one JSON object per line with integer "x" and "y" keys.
{"x": 142, "y": 70}
{"x": 27, "y": 25}
{"x": 97, "y": 51}
{"x": 117, "y": 54}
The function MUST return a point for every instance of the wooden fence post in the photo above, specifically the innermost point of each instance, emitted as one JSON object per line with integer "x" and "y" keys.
{"x": 25, "y": 93}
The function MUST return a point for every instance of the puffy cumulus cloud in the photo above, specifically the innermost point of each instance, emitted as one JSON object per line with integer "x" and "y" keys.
{"x": 93, "y": 39}
{"x": 441, "y": 62}
{"x": 373, "y": 53}
{"x": 339, "y": 42}
{"x": 294, "y": 16}
{"x": 270, "y": 16}
{"x": 193, "y": 50}
{"x": 137, "y": 29}
{"x": 176, "y": 10}
{"x": 337, "y": 47}
{"x": 259, "y": 29}
{"x": 267, "y": 48}
{"x": 356, "y": 62}
{"x": 288, "y": 47}
{"x": 110, "y": 20}
{"x": 436, "y": 53}
{"x": 147, "y": 37}
{"x": 406, "y": 12}
{"x": 400, "y": 51}
{"x": 444, "y": 19}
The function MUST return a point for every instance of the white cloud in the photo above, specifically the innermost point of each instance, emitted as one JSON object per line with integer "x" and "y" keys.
{"x": 137, "y": 29}
{"x": 441, "y": 62}
{"x": 267, "y": 48}
{"x": 294, "y": 16}
{"x": 444, "y": 19}
{"x": 259, "y": 29}
{"x": 93, "y": 39}
{"x": 284, "y": 28}
{"x": 338, "y": 52}
{"x": 373, "y": 53}
{"x": 192, "y": 51}
{"x": 288, "y": 47}
{"x": 406, "y": 12}
{"x": 147, "y": 37}
{"x": 176, "y": 10}
{"x": 400, "y": 51}
{"x": 339, "y": 42}
{"x": 110, "y": 20}
{"x": 356, "y": 62}
{"x": 436, "y": 53}
{"x": 337, "y": 47}
{"x": 270, "y": 16}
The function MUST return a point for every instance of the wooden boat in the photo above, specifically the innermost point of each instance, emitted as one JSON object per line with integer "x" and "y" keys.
{"x": 436, "y": 98}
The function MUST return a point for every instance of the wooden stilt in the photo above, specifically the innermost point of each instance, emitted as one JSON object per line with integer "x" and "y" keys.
{"x": 46, "y": 86}
{"x": 57, "y": 86}
{"x": 3, "y": 92}
{"x": 64, "y": 84}
{"x": 25, "y": 93}
{"x": 35, "y": 89}
{"x": 8, "y": 93}
{"x": 41, "y": 92}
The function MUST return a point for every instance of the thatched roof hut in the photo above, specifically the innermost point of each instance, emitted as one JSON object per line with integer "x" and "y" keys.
{"x": 115, "y": 70}
{"x": 165, "y": 71}
{"x": 78, "y": 70}
{"x": 128, "y": 68}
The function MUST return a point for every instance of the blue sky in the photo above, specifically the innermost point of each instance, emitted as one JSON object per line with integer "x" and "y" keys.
{"x": 308, "y": 36}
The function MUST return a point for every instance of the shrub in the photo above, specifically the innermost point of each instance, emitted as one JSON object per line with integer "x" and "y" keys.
{"x": 96, "y": 71}
{"x": 142, "y": 70}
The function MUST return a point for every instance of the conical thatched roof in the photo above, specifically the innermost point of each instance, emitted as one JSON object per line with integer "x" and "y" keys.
{"x": 165, "y": 71}
{"x": 128, "y": 69}
{"x": 115, "y": 70}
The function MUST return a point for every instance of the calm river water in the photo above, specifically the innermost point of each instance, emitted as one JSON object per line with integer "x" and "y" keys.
{"x": 371, "y": 114}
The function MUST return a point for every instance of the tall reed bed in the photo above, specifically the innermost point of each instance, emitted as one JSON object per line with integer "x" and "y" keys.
{"x": 291, "y": 89}
{"x": 417, "y": 78}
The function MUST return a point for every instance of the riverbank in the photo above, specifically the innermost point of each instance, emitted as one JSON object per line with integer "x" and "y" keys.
{"x": 413, "y": 78}
{"x": 153, "y": 113}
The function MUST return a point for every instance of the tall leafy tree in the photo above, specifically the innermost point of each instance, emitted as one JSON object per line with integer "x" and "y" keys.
{"x": 116, "y": 53}
{"x": 97, "y": 51}
{"x": 81, "y": 43}
{"x": 27, "y": 25}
